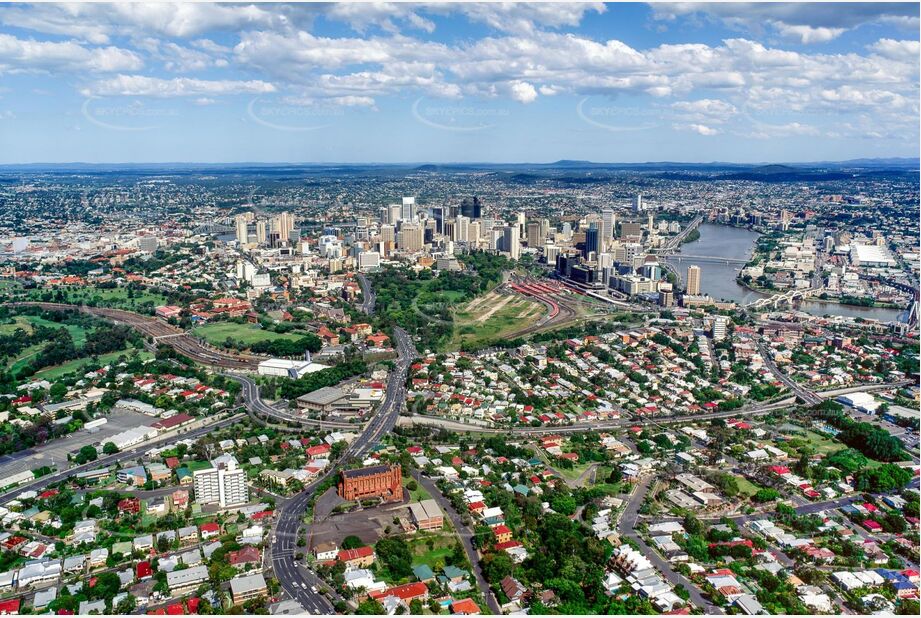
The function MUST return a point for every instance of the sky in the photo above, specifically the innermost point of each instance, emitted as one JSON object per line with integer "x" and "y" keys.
{"x": 458, "y": 82}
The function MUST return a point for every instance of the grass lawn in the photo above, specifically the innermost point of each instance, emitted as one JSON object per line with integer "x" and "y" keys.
{"x": 78, "y": 333}
{"x": 19, "y": 321}
{"x": 822, "y": 444}
{"x": 116, "y": 297}
{"x": 421, "y": 493}
{"x": 493, "y": 316}
{"x": 216, "y": 334}
{"x": 442, "y": 546}
{"x": 51, "y": 373}
{"x": 24, "y": 357}
{"x": 746, "y": 487}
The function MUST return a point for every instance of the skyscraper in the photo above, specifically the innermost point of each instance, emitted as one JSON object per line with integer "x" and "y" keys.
{"x": 438, "y": 214}
{"x": 693, "y": 287}
{"x": 461, "y": 228}
{"x": 260, "y": 232}
{"x": 638, "y": 203}
{"x": 408, "y": 211}
{"x": 471, "y": 208}
{"x": 534, "y": 236}
{"x": 511, "y": 241}
{"x": 410, "y": 238}
{"x": 608, "y": 225}
{"x": 283, "y": 224}
{"x": 591, "y": 241}
{"x": 242, "y": 229}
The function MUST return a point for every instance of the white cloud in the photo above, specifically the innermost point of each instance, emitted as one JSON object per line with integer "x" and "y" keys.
{"x": 700, "y": 129}
{"x": 140, "y": 85}
{"x": 98, "y": 22}
{"x": 902, "y": 51}
{"x": 808, "y": 34}
{"x": 523, "y": 92}
{"x": 70, "y": 56}
{"x": 806, "y": 22}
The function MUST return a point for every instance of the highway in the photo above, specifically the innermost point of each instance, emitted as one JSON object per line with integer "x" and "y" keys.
{"x": 296, "y": 580}
{"x": 807, "y": 396}
{"x": 369, "y": 298}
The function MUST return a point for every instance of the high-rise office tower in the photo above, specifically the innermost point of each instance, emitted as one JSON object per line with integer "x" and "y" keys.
{"x": 410, "y": 238}
{"x": 511, "y": 241}
{"x": 591, "y": 241}
{"x": 383, "y": 214}
{"x": 408, "y": 211}
{"x": 438, "y": 215}
{"x": 260, "y": 232}
{"x": 534, "y": 237}
{"x": 471, "y": 208}
{"x": 473, "y": 232}
{"x": 283, "y": 224}
{"x": 242, "y": 229}
{"x": 567, "y": 230}
{"x": 388, "y": 234}
{"x": 394, "y": 211}
{"x": 461, "y": 228}
{"x": 638, "y": 203}
{"x": 521, "y": 221}
{"x": 608, "y": 225}
{"x": 649, "y": 223}
{"x": 693, "y": 286}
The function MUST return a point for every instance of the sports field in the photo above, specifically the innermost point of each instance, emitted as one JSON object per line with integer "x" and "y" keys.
{"x": 218, "y": 332}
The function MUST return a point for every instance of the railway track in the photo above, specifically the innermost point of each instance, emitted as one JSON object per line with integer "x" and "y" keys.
{"x": 162, "y": 333}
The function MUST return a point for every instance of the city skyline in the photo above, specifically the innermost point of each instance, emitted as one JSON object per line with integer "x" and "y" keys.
{"x": 624, "y": 82}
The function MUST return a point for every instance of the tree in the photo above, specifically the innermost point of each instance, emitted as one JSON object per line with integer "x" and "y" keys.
{"x": 370, "y": 607}
{"x": 396, "y": 555}
{"x": 57, "y": 391}
{"x": 352, "y": 542}
{"x": 109, "y": 448}
{"x": 86, "y": 454}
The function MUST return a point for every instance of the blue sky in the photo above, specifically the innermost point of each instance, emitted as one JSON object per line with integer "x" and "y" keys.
{"x": 406, "y": 82}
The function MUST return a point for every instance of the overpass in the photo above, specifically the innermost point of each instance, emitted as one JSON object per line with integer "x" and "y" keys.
{"x": 675, "y": 242}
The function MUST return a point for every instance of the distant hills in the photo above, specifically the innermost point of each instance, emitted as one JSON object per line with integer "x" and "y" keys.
{"x": 566, "y": 170}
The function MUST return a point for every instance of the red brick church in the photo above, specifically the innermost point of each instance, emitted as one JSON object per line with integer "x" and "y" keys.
{"x": 373, "y": 482}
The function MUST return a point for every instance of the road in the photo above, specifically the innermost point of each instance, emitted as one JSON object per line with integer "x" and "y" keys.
{"x": 369, "y": 298}
{"x": 466, "y": 537}
{"x": 255, "y": 404}
{"x": 296, "y": 580}
{"x": 807, "y": 396}
{"x": 626, "y": 526}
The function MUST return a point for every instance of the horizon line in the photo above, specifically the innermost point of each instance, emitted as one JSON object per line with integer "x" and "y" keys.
{"x": 465, "y": 163}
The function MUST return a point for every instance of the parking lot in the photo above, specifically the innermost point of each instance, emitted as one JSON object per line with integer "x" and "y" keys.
{"x": 55, "y": 453}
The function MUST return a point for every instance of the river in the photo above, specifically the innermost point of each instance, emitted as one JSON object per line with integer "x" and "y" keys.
{"x": 719, "y": 280}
